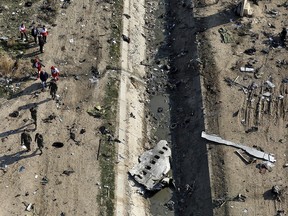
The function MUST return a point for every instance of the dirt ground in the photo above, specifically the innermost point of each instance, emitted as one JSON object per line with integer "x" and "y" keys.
{"x": 76, "y": 42}
{"x": 69, "y": 180}
{"x": 235, "y": 113}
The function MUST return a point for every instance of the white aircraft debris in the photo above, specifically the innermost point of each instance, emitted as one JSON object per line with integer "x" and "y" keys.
{"x": 153, "y": 166}
{"x": 251, "y": 151}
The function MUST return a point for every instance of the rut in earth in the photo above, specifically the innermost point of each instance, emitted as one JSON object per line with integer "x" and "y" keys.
{"x": 189, "y": 152}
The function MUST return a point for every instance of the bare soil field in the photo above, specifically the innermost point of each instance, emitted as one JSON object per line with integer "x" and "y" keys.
{"x": 175, "y": 72}
{"x": 69, "y": 180}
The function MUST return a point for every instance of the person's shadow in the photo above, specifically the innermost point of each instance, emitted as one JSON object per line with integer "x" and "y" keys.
{"x": 30, "y": 89}
{"x": 30, "y": 105}
{"x": 15, "y": 157}
{"x": 15, "y": 131}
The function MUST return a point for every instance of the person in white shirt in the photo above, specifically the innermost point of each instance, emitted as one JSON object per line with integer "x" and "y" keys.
{"x": 22, "y": 30}
{"x": 44, "y": 33}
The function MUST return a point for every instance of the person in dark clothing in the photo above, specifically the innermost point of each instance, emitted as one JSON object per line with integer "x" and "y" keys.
{"x": 53, "y": 88}
{"x": 40, "y": 142}
{"x": 283, "y": 35}
{"x": 33, "y": 112}
{"x": 34, "y": 33}
{"x": 43, "y": 77}
{"x": 26, "y": 140}
{"x": 41, "y": 43}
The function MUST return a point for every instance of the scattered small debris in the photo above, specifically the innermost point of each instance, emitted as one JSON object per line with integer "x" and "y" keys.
{"x": 270, "y": 84}
{"x": 68, "y": 172}
{"x": 28, "y": 4}
{"x": 127, "y": 16}
{"x": 58, "y": 144}
{"x": 250, "y": 51}
{"x": 240, "y": 198}
{"x": 125, "y": 38}
{"x": 28, "y": 207}
{"x": 226, "y": 36}
{"x": 49, "y": 118}
{"x": 252, "y": 129}
{"x": 235, "y": 114}
{"x": 4, "y": 169}
{"x": 65, "y": 4}
{"x": 276, "y": 192}
{"x": 265, "y": 166}
{"x": 280, "y": 213}
{"x": 21, "y": 169}
{"x": 14, "y": 114}
{"x": 96, "y": 112}
{"x": 170, "y": 205}
{"x": 132, "y": 115}
{"x": 247, "y": 159}
{"x": 160, "y": 109}
{"x": 247, "y": 69}
{"x": 44, "y": 180}
{"x": 82, "y": 131}
{"x": 104, "y": 130}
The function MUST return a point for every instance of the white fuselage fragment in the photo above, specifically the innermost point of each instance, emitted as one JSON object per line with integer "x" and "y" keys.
{"x": 251, "y": 151}
{"x": 153, "y": 165}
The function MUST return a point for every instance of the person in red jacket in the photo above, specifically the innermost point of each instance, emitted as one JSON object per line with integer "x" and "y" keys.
{"x": 37, "y": 64}
{"x": 22, "y": 30}
{"x": 55, "y": 73}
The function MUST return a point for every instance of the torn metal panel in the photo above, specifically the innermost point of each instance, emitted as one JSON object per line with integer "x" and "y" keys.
{"x": 251, "y": 151}
{"x": 153, "y": 165}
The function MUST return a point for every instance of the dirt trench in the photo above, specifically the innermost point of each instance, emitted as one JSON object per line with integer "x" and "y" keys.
{"x": 180, "y": 76}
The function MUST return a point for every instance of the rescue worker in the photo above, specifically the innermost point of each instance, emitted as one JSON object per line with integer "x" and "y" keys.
{"x": 22, "y": 30}
{"x": 35, "y": 33}
{"x": 44, "y": 33}
{"x": 26, "y": 140}
{"x": 41, "y": 43}
{"x": 53, "y": 88}
{"x": 55, "y": 73}
{"x": 40, "y": 142}
{"x": 43, "y": 77}
{"x": 37, "y": 64}
{"x": 33, "y": 112}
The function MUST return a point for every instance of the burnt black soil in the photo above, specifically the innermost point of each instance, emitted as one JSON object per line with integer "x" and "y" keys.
{"x": 182, "y": 63}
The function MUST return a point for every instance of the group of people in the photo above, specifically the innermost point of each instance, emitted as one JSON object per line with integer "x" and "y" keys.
{"x": 39, "y": 34}
{"x": 26, "y": 137}
{"x": 40, "y": 37}
{"x": 43, "y": 75}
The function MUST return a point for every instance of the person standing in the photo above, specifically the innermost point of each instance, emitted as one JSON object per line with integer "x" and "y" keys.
{"x": 22, "y": 30}
{"x": 55, "y": 73}
{"x": 43, "y": 77}
{"x": 53, "y": 88}
{"x": 41, "y": 43}
{"x": 26, "y": 140}
{"x": 33, "y": 112}
{"x": 40, "y": 142}
{"x": 34, "y": 33}
{"x": 37, "y": 64}
{"x": 44, "y": 33}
